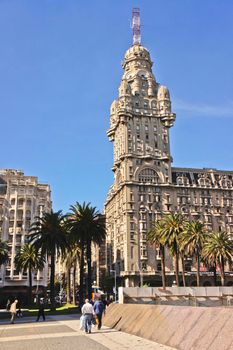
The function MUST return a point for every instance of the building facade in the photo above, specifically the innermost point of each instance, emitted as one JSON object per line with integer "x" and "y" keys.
{"x": 22, "y": 198}
{"x": 145, "y": 184}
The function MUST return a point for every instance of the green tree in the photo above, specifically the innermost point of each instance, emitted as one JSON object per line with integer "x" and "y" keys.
{"x": 48, "y": 235}
{"x": 217, "y": 250}
{"x": 154, "y": 237}
{"x": 87, "y": 226}
{"x": 71, "y": 259}
{"x": 28, "y": 259}
{"x": 4, "y": 252}
{"x": 172, "y": 228}
{"x": 193, "y": 239}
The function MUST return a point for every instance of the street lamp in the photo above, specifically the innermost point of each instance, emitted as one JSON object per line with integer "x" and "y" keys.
{"x": 115, "y": 288}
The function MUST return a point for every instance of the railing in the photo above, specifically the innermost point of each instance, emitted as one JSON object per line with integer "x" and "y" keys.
{"x": 193, "y": 296}
{"x": 191, "y": 299}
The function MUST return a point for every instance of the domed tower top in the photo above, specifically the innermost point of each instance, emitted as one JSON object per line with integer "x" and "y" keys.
{"x": 137, "y": 53}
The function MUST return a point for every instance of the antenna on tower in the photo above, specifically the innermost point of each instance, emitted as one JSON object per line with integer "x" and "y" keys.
{"x": 136, "y": 26}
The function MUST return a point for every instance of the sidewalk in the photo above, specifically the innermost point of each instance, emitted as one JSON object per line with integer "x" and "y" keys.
{"x": 62, "y": 332}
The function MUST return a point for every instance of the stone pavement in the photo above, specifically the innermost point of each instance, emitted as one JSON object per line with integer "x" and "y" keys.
{"x": 62, "y": 332}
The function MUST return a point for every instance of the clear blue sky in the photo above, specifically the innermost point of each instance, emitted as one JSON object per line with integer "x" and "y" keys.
{"x": 60, "y": 67}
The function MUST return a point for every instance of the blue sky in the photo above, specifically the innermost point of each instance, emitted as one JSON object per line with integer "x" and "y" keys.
{"x": 60, "y": 68}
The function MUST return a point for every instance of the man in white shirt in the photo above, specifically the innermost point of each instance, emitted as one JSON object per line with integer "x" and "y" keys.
{"x": 88, "y": 312}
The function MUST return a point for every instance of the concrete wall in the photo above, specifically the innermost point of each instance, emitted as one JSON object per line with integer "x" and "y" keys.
{"x": 181, "y": 327}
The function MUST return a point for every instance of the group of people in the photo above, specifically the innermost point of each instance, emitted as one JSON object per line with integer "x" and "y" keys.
{"x": 15, "y": 310}
{"x": 92, "y": 312}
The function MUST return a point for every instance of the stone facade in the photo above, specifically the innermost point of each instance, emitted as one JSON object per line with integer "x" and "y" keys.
{"x": 145, "y": 184}
{"x": 22, "y": 198}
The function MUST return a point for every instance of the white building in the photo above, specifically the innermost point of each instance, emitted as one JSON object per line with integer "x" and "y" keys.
{"x": 22, "y": 198}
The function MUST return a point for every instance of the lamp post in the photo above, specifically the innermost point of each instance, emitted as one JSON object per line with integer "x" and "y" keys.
{"x": 141, "y": 277}
{"x": 115, "y": 292}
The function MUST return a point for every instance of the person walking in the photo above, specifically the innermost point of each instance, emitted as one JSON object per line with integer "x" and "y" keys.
{"x": 41, "y": 310}
{"x": 88, "y": 312}
{"x": 99, "y": 309}
{"x": 13, "y": 311}
{"x": 8, "y": 305}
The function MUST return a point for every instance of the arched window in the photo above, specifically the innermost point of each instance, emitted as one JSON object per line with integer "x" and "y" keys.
{"x": 148, "y": 175}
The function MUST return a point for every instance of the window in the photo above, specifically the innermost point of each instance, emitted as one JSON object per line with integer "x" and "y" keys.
{"x": 131, "y": 252}
{"x": 20, "y": 203}
{"x": 29, "y": 202}
{"x": 148, "y": 175}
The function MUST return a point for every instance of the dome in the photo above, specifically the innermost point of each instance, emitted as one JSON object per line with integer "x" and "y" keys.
{"x": 137, "y": 52}
{"x": 113, "y": 107}
{"x": 163, "y": 93}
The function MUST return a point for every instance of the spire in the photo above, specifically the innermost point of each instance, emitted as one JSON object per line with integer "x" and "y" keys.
{"x": 136, "y": 26}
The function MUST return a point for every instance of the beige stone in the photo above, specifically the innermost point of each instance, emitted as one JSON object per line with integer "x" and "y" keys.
{"x": 145, "y": 184}
{"x": 176, "y": 326}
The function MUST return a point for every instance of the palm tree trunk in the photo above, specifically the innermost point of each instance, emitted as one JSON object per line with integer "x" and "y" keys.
{"x": 74, "y": 282}
{"x": 215, "y": 275}
{"x": 81, "y": 275}
{"x": 52, "y": 276}
{"x": 198, "y": 269}
{"x": 177, "y": 268}
{"x": 30, "y": 285}
{"x": 222, "y": 271}
{"x": 162, "y": 250}
{"x": 68, "y": 285}
{"x": 183, "y": 270}
{"x": 89, "y": 272}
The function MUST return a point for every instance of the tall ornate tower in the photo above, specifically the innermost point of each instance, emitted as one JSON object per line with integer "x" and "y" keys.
{"x": 139, "y": 128}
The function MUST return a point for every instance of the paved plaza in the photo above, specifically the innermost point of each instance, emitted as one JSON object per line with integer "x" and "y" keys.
{"x": 62, "y": 332}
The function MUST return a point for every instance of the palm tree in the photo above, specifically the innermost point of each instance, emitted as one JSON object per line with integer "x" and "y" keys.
{"x": 182, "y": 257}
{"x": 77, "y": 236}
{"x": 154, "y": 237}
{"x": 87, "y": 226}
{"x": 4, "y": 251}
{"x": 71, "y": 259}
{"x": 49, "y": 237}
{"x": 173, "y": 225}
{"x": 193, "y": 239}
{"x": 217, "y": 250}
{"x": 28, "y": 259}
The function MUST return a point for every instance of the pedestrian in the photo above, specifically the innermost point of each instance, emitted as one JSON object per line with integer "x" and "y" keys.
{"x": 99, "y": 309}
{"x": 88, "y": 312}
{"x": 8, "y": 305}
{"x": 41, "y": 310}
{"x": 13, "y": 310}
